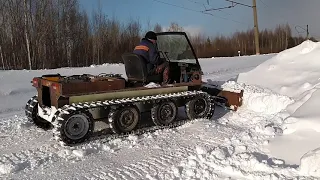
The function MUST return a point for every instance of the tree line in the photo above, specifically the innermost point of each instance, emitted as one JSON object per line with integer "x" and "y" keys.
{"x": 270, "y": 40}
{"x": 56, "y": 33}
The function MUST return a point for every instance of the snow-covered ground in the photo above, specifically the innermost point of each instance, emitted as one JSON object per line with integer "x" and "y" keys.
{"x": 294, "y": 73}
{"x": 274, "y": 135}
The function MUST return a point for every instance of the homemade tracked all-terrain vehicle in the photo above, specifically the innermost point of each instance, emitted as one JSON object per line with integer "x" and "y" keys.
{"x": 72, "y": 104}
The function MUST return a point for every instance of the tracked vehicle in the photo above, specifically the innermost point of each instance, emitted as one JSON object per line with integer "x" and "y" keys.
{"x": 72, "y": 104}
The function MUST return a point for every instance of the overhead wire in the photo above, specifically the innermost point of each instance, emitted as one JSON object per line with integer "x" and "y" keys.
{"x": 203, "y": 12}
{"x": 196, "y": 2}
{"x": 235, "y": 2}
{"x": 206, "y": 9}
{"x": 263, "y": 3}
{"x": 176, "y": 5}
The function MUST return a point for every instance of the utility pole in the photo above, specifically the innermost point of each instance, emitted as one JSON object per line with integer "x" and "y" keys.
{"x": 256, "y": 28}
{"x": 255, "y": 18}
{"x": 307, "y": 31}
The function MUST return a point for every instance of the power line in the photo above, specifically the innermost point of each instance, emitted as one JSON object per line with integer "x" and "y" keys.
{"x": 234, "y": 2}
{"x": 196, "y": 2}
{"x": 227, "y": 7}
{"x": 305, "y": 30}
{"x": 218, "y": 9}
{"x": 255, "y": 20}
{"x": 176, "y": 6}
{"x": 203, "y": 12}
{"x": 226, "y": 18}
{"x": 263, "y": 3}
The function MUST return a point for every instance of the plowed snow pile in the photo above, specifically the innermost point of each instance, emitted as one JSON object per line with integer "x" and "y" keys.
{"x": 294, "y": 73}
{"x": 242, "y": 156}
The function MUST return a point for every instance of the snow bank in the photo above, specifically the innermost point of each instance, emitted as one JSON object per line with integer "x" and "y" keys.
{"x": 310, "y": 165}
{"x": 241, "y": 156}
{"x": 294, "y": 73}
{"x": 306, "y": 116}
{"x": 291, "y": 72}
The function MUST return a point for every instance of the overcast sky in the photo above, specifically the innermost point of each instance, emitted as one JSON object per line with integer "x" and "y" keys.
{"x": 295, "y": 12}
{"x": 270, "y": 13}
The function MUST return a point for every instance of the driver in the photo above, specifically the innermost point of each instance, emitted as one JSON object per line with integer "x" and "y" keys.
{"x": 149, "y": 51}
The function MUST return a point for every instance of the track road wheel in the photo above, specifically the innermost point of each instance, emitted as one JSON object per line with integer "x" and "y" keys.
{"x": 75, "y": 127}
{"x": 124, "y": 119}
{"x": 200, "y": 107}
{"x": 31, "y": 111}
{"x": 164, "y": 113}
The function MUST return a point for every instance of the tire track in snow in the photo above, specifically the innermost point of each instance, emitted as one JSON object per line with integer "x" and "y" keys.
{"x": 44, "y": 154}
{"x": 138, "y": 168}
{"x": 110, "y": 175}
{"x": 135, "y": 171}
{"x": 16, "y": 134}
{"x": 160, "y": 164}
{"x": 27, "y": 159}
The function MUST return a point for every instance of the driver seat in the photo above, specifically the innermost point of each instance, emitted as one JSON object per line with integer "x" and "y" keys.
{"x": 136, "y": 69}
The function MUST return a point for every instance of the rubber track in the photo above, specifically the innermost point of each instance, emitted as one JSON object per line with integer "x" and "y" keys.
{"x": 68, "y": 109}
{"x": 31, "y": 115}
{"x": 29, "y": 106}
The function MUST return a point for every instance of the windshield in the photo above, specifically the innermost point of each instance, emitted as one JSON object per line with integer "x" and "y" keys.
{"x": 177, "y": 47}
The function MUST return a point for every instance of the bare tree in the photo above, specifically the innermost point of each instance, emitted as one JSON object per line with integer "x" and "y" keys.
{"x": 2, "y": 24}
{"x": 26, "y": 33}
{"x": 175, "y": 27}
{"x": 157, "y": 28}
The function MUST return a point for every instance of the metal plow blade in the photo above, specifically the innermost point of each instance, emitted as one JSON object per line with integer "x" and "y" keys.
{"x": 229, "y": 99}
{"x": 232, "y": 100}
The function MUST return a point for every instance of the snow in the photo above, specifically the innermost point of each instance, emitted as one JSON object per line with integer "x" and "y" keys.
{"x": 152, "y": 85}
{"x": 295, "y": 74}
{"x": 310, "y": 165}
{"x": 258, "y": 99}
{"x": 274, "y": 135}
{"x": 224, "y": 159}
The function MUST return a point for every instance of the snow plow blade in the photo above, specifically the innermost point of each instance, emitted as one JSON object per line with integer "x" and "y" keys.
{"x": 229, "y": 99}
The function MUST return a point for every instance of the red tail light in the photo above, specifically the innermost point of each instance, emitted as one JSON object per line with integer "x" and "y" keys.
{"x": 55, "y": 87}
{"x": 35, "y": 82}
